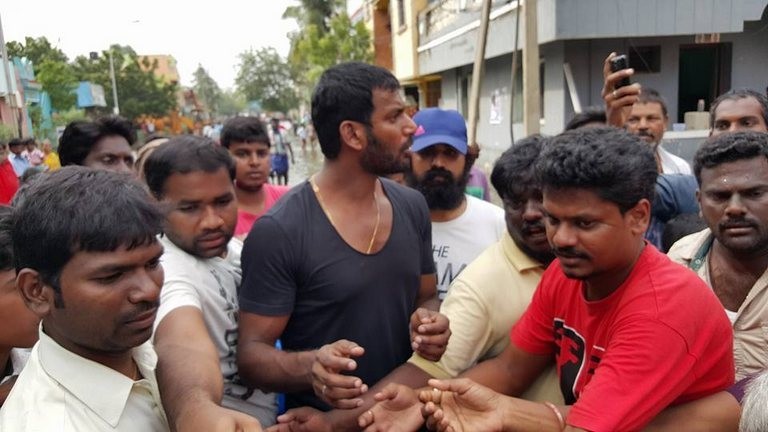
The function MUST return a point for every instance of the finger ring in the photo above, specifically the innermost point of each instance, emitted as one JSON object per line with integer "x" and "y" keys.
{"x": 323, "y": 390}
{"x": 614, "y": 94}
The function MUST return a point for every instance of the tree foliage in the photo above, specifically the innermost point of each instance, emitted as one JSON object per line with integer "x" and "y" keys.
{"x": 52, "y": 69}
{"x": 314, "y": 12}
{"x": 139, "y": 90}
{"x": 36, "y": 50}
{"x": 342, "y": 42}
{"x": 207, "y": 89}
{"x": 265, "y": 77}
{"x": 231, "y": 103}
{"x": 326, "y": 37}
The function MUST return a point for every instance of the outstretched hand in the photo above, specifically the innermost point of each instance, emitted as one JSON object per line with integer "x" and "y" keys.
{"x": 214, "y": 418}
{"x": 398, "y": 410}
{"x": 461, "y": 405}
{"x": 304, "y": 419}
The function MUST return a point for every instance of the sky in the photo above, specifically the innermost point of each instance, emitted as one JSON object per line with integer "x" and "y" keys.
{"x": 213, "y": 35}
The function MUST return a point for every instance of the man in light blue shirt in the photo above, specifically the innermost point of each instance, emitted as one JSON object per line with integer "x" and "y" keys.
{"x": 20, "y": 162}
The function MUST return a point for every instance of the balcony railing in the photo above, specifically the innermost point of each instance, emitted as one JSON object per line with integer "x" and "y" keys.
{"x": 440, "y": 15}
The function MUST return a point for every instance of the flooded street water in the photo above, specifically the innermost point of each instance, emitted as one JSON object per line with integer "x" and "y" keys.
{"x": 307, "y": 163}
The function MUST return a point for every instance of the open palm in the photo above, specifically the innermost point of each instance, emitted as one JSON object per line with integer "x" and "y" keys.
{"x": 461, "y": 405}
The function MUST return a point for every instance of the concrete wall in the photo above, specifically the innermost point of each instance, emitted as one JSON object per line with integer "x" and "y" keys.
{"x": 750, "y": 55}
{"x": 405, "y": 39}
{"x": 579, "y": 19}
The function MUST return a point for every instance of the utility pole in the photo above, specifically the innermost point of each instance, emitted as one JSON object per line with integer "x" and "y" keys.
{"x": 477, "y": 72}
{"x": 116, "y": 108}
{"x": 9, "y": 97}
{"x": 531, "y": 67}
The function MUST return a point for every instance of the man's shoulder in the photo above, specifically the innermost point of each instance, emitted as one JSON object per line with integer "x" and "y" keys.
{"x": 276, "y": 191}
{"x": 677, "y": 164}
{"x": 483, "y": 211}
{"x": 399, "y": 192}
{"x": 34, "y": 390}
{"x": 406, "y": 197}
{"x": 180, "y": 264}
{"x": 683, "y": 250}
{"x": 292, "y": 201}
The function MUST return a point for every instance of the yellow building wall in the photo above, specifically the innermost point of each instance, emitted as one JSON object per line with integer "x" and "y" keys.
{"x": 405, "y": 38}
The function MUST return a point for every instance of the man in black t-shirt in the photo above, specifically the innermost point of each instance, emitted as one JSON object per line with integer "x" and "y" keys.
{"x": 342, "y": 262}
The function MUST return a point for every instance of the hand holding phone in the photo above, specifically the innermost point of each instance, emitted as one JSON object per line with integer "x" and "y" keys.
{"x": 620, "y": 62}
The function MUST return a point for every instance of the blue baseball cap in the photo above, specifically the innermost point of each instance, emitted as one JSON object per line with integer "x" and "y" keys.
{"x": 437, "y": 126}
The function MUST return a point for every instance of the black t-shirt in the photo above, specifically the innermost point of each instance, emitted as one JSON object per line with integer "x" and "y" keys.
{"x": 295, "y": 263}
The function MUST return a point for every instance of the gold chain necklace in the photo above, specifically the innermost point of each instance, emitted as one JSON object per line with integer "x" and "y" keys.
{"x": 327, "y": 212}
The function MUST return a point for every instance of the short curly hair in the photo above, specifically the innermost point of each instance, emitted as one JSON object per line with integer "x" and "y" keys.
{"x": 729, "y": 147}
{"x": 613, "y": 163}
{"x": 516, "y": 166}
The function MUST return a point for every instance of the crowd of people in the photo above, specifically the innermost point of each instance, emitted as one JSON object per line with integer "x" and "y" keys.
{"x": 177, "y": 288}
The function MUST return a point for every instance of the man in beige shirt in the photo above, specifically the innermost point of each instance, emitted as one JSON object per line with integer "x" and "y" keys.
{"x": 88, "y": 264}
{"x": 491, "y": 294}
{"x": 732, "y": 254}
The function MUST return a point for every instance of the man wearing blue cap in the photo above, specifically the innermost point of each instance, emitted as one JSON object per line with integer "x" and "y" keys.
{"x": 462, "y": 225}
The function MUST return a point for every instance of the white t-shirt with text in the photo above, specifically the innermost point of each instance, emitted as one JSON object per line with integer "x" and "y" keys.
{"x": 458, "y": 242}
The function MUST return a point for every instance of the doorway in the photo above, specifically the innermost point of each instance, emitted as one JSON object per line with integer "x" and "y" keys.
{"x": 705, "y": 73}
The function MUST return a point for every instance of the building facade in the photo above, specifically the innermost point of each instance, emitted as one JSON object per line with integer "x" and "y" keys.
{"x": 686, "y": 49}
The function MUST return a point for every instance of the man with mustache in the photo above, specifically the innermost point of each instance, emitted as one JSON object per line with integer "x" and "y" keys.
{"x": 629, "y": 331}
{"x": 643, "y": 113}
{"x": 196, "y": 328}
{"x": 648, "y": 120}
{"x": 462, "y": 225}
{"x": 340, "y": 269}
{"x": 731, "y": 255}
{"x": 88, "y": 264}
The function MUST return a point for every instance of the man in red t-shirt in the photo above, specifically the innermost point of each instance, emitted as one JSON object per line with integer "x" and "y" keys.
{"x": 247, "y": 140}
{"x": 630, "y": 332}
{"x": 9, "y": 183}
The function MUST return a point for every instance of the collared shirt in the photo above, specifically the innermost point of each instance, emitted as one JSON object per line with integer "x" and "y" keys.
{"x": 20, "y": 163}
{"x": 671, "y": 164}
{"x": 63, "y": 392}
{"x": 750, "y": 322}
{"x": 483, "y": 303}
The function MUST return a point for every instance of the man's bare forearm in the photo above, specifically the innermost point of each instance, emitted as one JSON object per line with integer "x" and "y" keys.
{"x": 269, "y": 369}
{"x": 187, "y": 377}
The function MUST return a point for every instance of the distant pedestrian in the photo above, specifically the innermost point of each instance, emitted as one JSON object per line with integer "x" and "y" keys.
{"x": 282, "y": 146}
{"x": 9, "y": 181}
{"x": 18, "y": 160}
{"x": 247, "y": 140}
{"x": 51, "y": 158}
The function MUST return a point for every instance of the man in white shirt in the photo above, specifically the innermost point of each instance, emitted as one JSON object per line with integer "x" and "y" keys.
{"x": 88, "y": 264}
{"x": 462, "y": 225}
{"x": 197, "y": 322}
{"x": 643, "y": 113}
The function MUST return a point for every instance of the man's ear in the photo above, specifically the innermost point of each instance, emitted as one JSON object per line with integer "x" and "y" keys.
{"x": 639, "y": 217}
{"x": 352, "y": 135}
{"x": 37, "y": 295}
